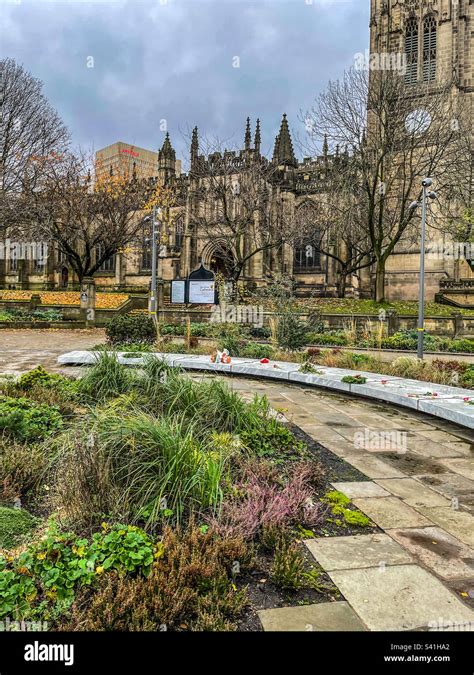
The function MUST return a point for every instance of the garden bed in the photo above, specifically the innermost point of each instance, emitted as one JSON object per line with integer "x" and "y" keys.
{"x": 160, "y": 501}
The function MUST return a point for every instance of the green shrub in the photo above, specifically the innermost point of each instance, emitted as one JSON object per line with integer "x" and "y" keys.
{"x": 24, "y": 419}
{"x": 256, "y": 351}
{"x": 260, "y": 332}
{"x": 230, "y": 336}
{"x": 172, "y": 329}
{"x": 408, "y": 339}
{"x": 105, "y": 379}
{"x": 17, "y": 592}
{"x": 333, "y": 340}
{"x": 289, "y": 569}
{"x": 461, "y": 345}
{"x": 21, "y": 468}
{"x": 43, "y": 579}
{"x": 37, "y": 376}
{"x": 15, "y": 524}
{"x": 131, "y": 466}
{"x": 131, "y": 329}
{"x": 467, "y": 378}
{"x": 291, "y": 333}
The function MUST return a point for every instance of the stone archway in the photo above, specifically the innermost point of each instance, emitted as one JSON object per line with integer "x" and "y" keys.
{"x": 217, "y": 256}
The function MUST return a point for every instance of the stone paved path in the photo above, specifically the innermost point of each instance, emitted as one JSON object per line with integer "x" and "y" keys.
{"x": 418, "y": 574}
{"x": 22, "y": 350}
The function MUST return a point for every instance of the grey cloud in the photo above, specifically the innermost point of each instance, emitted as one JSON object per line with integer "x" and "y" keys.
{"x": 173, "y": 61}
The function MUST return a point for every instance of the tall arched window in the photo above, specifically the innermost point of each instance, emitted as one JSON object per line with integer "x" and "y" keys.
{"x": 429, "y": 49}
{"x": 179, "y": 232}
{"x": 307, "y": 254}
{"x": 411, "y": 51}
{"x": 108, "y": 265}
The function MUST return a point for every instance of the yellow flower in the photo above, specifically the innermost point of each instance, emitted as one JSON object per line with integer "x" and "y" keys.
{"x": 104, "y": 526}
{"x": 99, "y": 570}
{"x": 41, "y": 556}
{"x": 159, "y": 551}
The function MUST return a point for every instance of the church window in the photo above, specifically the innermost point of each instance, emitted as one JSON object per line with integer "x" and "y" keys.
{"x": 429, "y": 49}
{"x": 411, "y": 51}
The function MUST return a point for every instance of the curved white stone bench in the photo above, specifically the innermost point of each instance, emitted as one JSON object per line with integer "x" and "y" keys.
{"x": 449, "y": 403}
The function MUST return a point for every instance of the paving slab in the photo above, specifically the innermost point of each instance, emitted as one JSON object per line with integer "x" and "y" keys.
{"x": 464, "y": 447}
{"x": 427, "y": 448}
{"x": 437, "y": 436}
{"x": 390, "y": 512}
{"x": 325, "y": 616}
{"x": 400, "y": 598}
{"x": 362, "y": 550}
{"x": 463, "y": 589}
{"x": 412, "y": 464}
{"x": 434, "y": 548}
{"x": 361, "y": 489}
{"x": 412, "y": 492}
{"x": 373, "y": 467}
{"x": 451, "y": 485}
{"x": 464, "y": 466}
{"x": 458, "y": 523}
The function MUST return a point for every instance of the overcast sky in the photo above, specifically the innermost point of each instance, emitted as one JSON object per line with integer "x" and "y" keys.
{"x": 209, "y": 63}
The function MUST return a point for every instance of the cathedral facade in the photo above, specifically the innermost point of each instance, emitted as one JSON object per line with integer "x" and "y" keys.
{"x": 435, "y": 37}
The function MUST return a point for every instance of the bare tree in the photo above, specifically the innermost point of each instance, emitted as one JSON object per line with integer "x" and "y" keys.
{"x": 396, "y": 134}
{"x": 89, "y": 214}
{"x": 331, "y": 223}
{"x": 234, "y": 205}
{"x": 30, "y": 132}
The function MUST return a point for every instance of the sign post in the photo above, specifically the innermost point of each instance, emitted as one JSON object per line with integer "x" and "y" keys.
{"x": 202, "y": 287}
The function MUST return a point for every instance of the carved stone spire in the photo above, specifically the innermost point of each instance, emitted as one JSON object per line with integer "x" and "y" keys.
{"x": 248, "y": 135}
{"x": 258, "y": 140}
{"x": 284, "y": 153}
{"x": 194, "y": 148}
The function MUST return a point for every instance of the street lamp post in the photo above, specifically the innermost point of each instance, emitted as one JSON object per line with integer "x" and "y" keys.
{"x": 426, "y": 183}
{"x": 153, "y": 306}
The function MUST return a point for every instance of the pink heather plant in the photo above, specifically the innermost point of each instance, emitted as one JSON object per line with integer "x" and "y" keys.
{"x": 266, "y": 502}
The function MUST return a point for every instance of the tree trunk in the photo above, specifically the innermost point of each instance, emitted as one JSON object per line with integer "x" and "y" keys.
{"x": 341, "y": 285}
{"x": 380, "y": 281}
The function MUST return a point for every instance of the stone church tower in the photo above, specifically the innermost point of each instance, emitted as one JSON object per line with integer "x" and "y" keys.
{"x": 435, "y": 38}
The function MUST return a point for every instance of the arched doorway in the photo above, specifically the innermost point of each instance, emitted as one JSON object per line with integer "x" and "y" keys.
{"x": 219, "y": 258}
{"x": 219, "y": 264}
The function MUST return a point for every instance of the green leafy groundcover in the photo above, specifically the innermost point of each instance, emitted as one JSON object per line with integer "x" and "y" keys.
{"x": 42, "y": 581}
{"x": 25, "y": 315}
{"x": 25, "y": 419}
